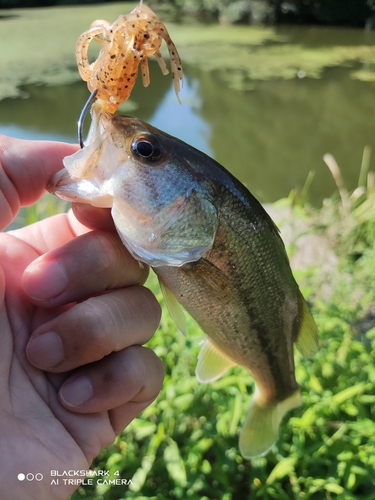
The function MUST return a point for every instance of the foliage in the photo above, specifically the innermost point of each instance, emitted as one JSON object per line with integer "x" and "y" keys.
{"x": 47, "y": 206}
{"x": 331, "y": 12}
{"x": 349, "y": 218}
{"x": 238, "y": 11}
{"x": 11, "y": 4}
{"x": 185, "y": 444}
{"x": 352, "y": 13}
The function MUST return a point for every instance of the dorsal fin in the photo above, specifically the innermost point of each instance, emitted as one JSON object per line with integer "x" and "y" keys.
{"x": 174, "y": 308}
{"x": 212, "y": 363}
{"x": 307, "y": 340}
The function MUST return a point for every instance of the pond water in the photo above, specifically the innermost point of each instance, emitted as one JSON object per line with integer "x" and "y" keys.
{"x": 270, "y": 137}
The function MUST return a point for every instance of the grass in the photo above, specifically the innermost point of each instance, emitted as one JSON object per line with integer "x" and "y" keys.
{"x": 185, "y": 444}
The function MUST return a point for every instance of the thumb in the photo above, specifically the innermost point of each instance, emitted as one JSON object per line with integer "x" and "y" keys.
{"x": 25, "y": 169}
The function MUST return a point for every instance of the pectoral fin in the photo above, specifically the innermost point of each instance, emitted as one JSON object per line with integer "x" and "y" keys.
{"x": 174, "y": 308}
{"x": 212, "y": 363}
{"x": 307, "y": 340}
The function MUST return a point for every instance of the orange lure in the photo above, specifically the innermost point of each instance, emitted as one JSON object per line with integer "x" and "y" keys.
{"x": 126, "y": 44}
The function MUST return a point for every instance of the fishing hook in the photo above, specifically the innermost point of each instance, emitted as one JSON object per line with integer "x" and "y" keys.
{"x": 82, "y": 116}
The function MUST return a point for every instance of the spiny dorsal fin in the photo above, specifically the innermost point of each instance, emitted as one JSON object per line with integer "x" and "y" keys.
{"x": 307, "y": 340}
{"x": 212, "y": 363}
{"x": 174, "y": 308}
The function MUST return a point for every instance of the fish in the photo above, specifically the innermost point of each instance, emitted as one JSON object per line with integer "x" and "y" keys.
{"x": 215, "y": 250}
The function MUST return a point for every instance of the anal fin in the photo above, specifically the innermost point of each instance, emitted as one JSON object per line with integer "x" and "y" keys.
{"x": 212, "y": 363}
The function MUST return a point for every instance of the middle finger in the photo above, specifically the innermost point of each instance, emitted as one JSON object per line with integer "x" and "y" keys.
{"x": 95, "y": 328}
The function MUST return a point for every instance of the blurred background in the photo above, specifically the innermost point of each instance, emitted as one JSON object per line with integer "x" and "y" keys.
{"x": 270, "y": 86}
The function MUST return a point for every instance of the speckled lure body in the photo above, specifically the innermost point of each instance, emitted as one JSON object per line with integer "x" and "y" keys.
{"x": 126, "y": 45}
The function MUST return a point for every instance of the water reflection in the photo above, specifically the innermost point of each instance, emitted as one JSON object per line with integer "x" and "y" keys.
{"x": 52, "y": 112}
{"x": 273, "y": 136}
{"x": 270, "y": 137}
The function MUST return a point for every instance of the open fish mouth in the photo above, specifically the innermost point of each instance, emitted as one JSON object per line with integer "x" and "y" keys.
{"x": 83, "y": 191}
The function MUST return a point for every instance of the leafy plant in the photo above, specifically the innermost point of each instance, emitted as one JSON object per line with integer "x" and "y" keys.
{"x": 185, "y": 445}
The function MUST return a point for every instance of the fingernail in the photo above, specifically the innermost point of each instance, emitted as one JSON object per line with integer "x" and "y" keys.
{"x": 45, "y": 351}
{"x": 76, "y": 392}
{"x": 45, "y": 280}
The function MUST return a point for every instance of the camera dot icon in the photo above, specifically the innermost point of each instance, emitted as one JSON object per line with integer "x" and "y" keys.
{"x": 29, "y": 476}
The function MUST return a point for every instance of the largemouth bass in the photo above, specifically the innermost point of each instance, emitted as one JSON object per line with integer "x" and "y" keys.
{"x": 215, "y": 250}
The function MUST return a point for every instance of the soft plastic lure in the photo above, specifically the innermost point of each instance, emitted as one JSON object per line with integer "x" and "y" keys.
{"x": 126, "y": 45}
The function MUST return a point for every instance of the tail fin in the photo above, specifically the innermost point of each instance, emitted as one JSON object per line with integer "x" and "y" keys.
{"x": 261, "y": 427}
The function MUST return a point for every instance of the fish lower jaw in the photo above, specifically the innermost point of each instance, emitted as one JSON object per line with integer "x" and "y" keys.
{"x": 79, "y": 190}
{"x": 104, "y": 201}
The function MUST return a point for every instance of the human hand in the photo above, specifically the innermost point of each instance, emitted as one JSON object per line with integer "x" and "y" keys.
{"x": 73, "y": 318}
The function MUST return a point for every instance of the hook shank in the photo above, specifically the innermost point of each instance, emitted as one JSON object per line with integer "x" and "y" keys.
{"x": 82, "y": 116}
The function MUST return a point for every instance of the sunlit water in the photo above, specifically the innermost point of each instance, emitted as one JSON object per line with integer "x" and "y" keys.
{"x": 33, "y": 117}
{"x": 270, "y": 137}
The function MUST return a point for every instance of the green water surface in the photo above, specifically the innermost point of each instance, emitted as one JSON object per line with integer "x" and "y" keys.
{"x": 266, "y": 103}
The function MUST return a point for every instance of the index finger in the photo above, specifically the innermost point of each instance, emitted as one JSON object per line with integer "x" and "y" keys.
{"x": 25, "y": 169}
{"x": 82, "y": 267}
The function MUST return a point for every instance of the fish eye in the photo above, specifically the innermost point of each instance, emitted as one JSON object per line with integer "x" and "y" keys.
{"x": 147, "y": 148}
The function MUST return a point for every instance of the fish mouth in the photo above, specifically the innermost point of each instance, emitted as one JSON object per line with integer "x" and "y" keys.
{"x": 60, "y": 184}
{"x": 59, "y": 180}
{"x": 86, "y": 191}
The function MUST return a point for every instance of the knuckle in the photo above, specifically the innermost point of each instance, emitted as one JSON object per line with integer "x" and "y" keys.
{"x": 144, "y": 372}
{"x": 154, "y": 308}
{"x": 106, "y": 250}
{"x": 134, "y": 370}
{"x": 113, "y": 260}
{"x": 147, "y": 309}
{"x": 159, "y": 372}
{"x": 95, "y": 324}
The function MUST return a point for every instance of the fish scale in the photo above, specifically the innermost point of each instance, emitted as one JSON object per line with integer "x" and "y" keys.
{"x": 215, "y": 250}
{"x": 241, "y": 323}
